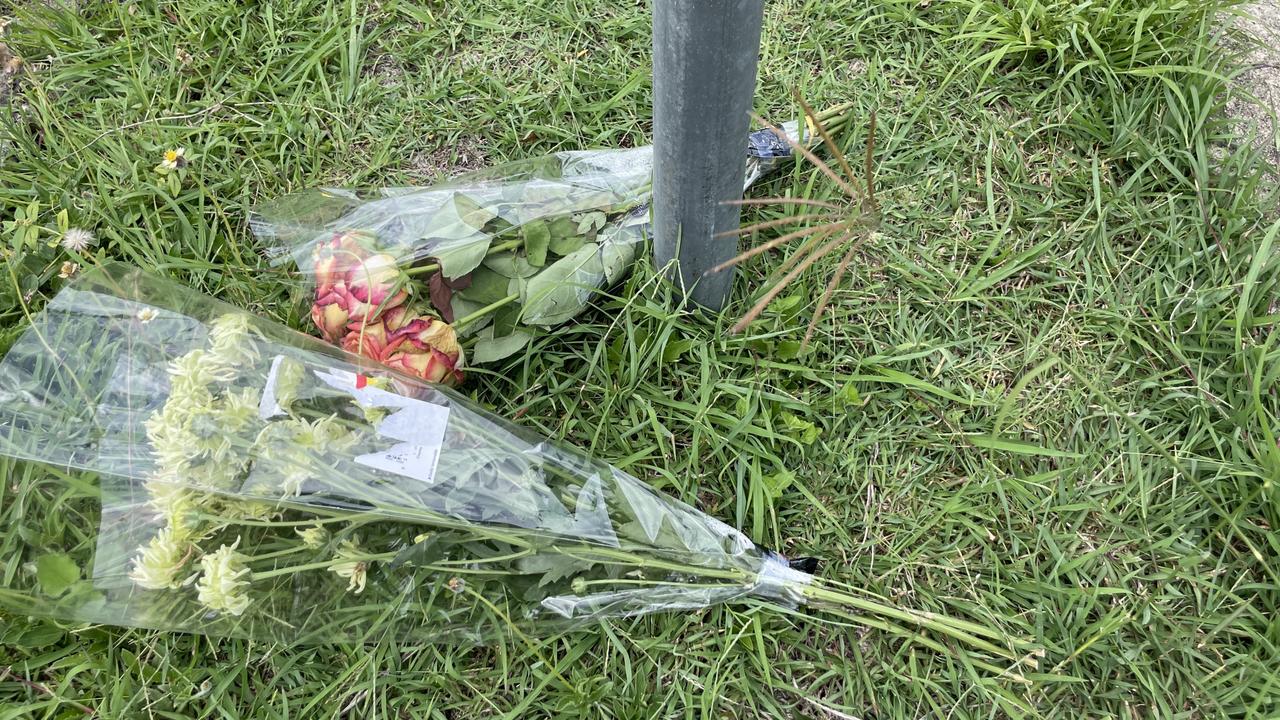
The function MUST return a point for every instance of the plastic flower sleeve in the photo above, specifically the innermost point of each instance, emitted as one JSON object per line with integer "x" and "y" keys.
{"x": 522, "y": 244}
{"x": 249, "y": 480}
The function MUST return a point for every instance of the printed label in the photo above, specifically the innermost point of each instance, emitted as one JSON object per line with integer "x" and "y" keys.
{"x": 407, "y": 459}
{"x": 418, "y": 426}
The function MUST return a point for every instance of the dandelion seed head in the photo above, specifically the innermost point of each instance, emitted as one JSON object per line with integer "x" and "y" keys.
{"x": 77, "y": 240}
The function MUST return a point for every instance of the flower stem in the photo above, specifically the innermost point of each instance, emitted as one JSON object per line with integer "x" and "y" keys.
{"x": 324, "y": 564}
{"x": 499, "y": 248}
{"x": 462, "y": 321}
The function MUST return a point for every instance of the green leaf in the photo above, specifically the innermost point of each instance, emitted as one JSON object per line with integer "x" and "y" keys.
{"x": 40, "y": 635}
{"x": 518, "y": 286}
{"x": 506, "y": 320}
{"x": 510, "y": 265}
{"x": 783, "y": 304}
{"x": 455, "y": 238}
{"x": 490, "y": 349}
{"x": 471, "y": 212}
{"x": 777, "y": 483}
{"x": 463, "y": 307}
{"x": 565, "y": 238}
{"x": 849, "y": 393}
{"x": 561, "y": 290}
{"x": 459, "y": 260}
{"x": 1017, "y": 446}
{"x": 591, "y": 223}
{"x": 55, "y": 573}
{"x": 537, "y": 238}
{"x": 552, "y": 567}
{"x": 617, "y": 252}
{"x": 487, "y": 286}
{"x": 789, "y": 349}
{"x": 676, "y": 349}
{"x": 803, "y": 430}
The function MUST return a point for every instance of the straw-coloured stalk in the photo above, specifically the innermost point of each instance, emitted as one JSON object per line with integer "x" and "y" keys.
{"x": 826, "y": 228}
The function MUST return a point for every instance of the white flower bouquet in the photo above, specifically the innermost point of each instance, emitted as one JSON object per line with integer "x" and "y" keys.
{"x": 253, "y": 481}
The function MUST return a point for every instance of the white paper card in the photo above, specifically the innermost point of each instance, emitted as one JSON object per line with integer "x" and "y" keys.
{"x": 268, "y": 407}
{"x": 418, "y": 425}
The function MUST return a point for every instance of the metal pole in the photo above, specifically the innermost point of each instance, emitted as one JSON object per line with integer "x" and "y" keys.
{"x": 705, "y": 54}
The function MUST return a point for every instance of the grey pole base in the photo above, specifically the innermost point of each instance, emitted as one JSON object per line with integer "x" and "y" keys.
{"x": 705, "y": 55}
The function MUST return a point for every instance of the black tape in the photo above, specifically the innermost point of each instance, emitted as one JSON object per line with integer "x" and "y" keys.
{"x": 766, "y": 144}
{"x": 803, "y": 564}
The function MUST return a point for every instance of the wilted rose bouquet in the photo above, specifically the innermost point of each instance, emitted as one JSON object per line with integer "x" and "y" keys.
{"x": 493, "y": 253}
{"x": 253, "y": 481}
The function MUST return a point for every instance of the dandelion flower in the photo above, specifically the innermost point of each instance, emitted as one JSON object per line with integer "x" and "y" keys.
{"x": 314, "y": 537}
{"x": 68, "y": 270}
{"x": 77, "y": 240}
{"x": 158, "y": 565}
{"x": 356, "y": 571}
{"x": 174, "y": 159}
{"x": 221, "y": 586}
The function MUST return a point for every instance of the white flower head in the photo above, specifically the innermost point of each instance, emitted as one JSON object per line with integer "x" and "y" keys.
{"x": 314, "y": 537}
{"x": 294, "y": 479}
{"x": 237, "y": 409}
{"x": 68, "y": 270}
{"x": 323, "y": 434}
{"x": 231, "y": 339}
{"x": 166, "y": 494}
{"x": 199, "y": 369}
{"x": 147, "y": 314}
{"x": 288, "y": 380}
{"x": 158, "y": 565}
{"x": 174, "y": 159}
{"x": 355, "y": 570}
{"x": 77, "y": 240}
{"x": 173, "y": 445}
{"x": 221, "y": 584}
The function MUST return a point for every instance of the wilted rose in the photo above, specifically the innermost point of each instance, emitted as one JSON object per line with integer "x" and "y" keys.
{"x": 352, "y": 286}
{"x": 372, "y": 339}
{"x": 375, "y": 285}
{"x": 334, "y": 260}
{"x": 423, "y": 347}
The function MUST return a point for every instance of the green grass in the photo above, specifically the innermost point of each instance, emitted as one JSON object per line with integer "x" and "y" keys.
{"x": 1046, "y": 394}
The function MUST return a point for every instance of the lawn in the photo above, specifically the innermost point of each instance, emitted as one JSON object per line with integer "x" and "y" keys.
{"x": 1043, "y": 400}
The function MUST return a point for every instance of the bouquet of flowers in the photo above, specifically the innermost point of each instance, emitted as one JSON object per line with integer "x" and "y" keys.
{"x": 254, "y": 481}
{"x": 492, "y": 254}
